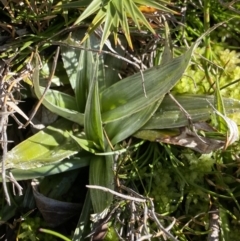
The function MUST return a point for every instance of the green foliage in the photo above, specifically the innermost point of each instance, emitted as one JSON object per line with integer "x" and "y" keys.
{"x": 174, "y": 179}
{"x": 224, "y": 66}
{"x": 108, "y": 112}
{"x": 114, "y": 14}
{"x": 164, "y": 189}
{"x": 183, "y": 184}
{"x": 111, "y": 235}
{"x": 219, "y": 12}
{"x": 29, "y": 230}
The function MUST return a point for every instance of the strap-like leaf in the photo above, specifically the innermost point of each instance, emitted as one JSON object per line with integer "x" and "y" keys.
{"x": 137, "y": 15}
{"x": 92, "y": 7}
{"x": 48, "y": 146}
{"x": 123, "y": 128}
{"x": 126, "y": 97}
{"x": 170, "y": 116}
{"x": 92, "y": 117}
{"x": 69, "y": 164}
{"x": 108, "y": 12}
{"x": 222, "y": 125}
{"x": 101, "y": 174}
{"x": 55, "y": 108}
{"x": 84, "y": 75}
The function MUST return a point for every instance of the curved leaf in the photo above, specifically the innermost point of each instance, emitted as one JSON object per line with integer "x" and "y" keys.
{"x": 109, "y": 11}
{"x": 123, "y": 128}
{"x": 84, "y": 75}
{"x": 169, "y": 115}
{"x": 64, "y": 112}
{"x": 51, "y": 145}
{"x": 69, "y": 164}
{"x": 127, "y": 97}
{"x": 101, "y": 174}
{"x": 60, "y": 99}
{"x": 92, "y": 117}
{"x": 91, "y": 9}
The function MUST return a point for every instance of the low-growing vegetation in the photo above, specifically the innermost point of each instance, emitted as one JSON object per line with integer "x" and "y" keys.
{"x": 120, "y": 120}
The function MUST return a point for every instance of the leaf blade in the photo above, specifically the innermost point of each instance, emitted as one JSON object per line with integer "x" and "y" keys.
{"x": 170, "y": 116}
{"x": 101, "y": 174}
{"x": 51, "y": 145}
{"x": 92, "y": 116}
{"x": 64, "y": 112}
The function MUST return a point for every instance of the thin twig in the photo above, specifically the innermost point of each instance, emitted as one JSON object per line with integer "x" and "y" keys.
{"x": 132, "y": 219}
{"x": 131, "y": 56}
{"x": 105, "y": 189}
{"x": 214, "y": 225}
{"x": 189, "y": 118}
{"x": 132, "y": 191}
{"x": 159, "y": 224}
{"x": 229, "y": 5}
{"x": 47, "y": 87}
{"x": 15, "y": 183}
{"x": 3, "y": 125}
{"x": 141, "y": 67}
{"x": 146, "y": 237}
{"x": 94, "y": 50}
{"x": 167, "y": 228}
{"x": 192, "y": 219}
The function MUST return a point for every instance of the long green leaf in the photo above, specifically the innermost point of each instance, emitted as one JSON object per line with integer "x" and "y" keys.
{"x": 83, "y": 226}
{"x": 87, "y": 145}
{"x": 137, "y": 15}
{"x": 92, "y": 117}
{"x": 69, "y": 164}
{"x": 131, "y": 99}
{"x": 125, "y": 26}
{"x": 92, "y": 7}
{"x": 51, "y": 145}
{"x": 106, "y": 13}
{"x": 169, "y": 115}
{"x": 110, "y": 15}
{"x": 84, "y": 76}
{"x": 78, "y": 63}
{"x": 158, "y": 81}
{"x": 96, "y": 22}
{"x": 70, "y": 56}
{"x": 60, "y": 99}
{"x": 123, "y": 128}
{"x": 114, "y": 65}
{"x": 101, "y": 174}
{"x": 64, "y": 112}
{"x": 219, "y": 105}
